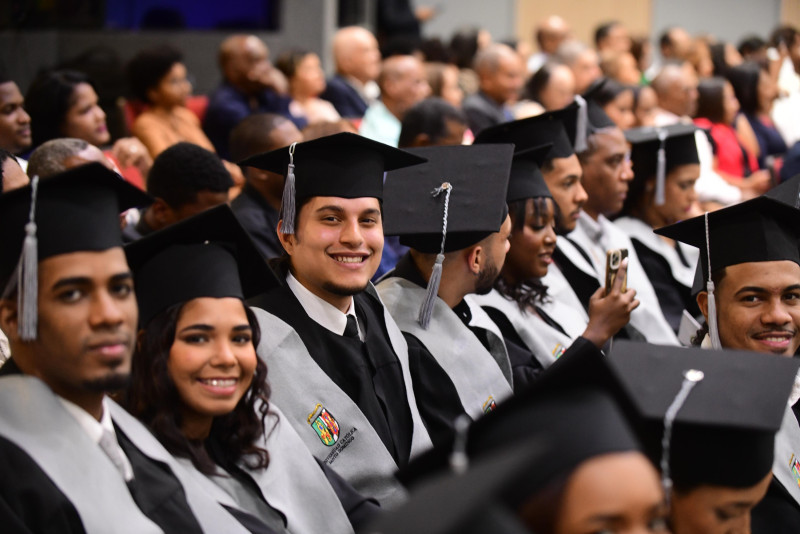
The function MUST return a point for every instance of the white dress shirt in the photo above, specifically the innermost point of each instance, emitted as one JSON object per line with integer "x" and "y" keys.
{"x": 322, "y": 312}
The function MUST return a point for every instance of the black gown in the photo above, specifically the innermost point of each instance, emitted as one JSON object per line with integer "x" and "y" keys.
{"x": 31, "y": 502}
{"x": 368, "y": 372}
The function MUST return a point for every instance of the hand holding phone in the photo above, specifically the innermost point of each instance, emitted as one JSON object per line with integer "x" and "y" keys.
{"x": 614, "y": 259}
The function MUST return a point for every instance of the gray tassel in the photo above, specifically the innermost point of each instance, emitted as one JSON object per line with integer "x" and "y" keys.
{"x": 713, "y": 326}
{"x": 581, "y": 126}
{"x": 288, "y": 201}
{"x": 661, "y": 169}
{"x": 432, "y": 291}
{"x": 28, "y": 272}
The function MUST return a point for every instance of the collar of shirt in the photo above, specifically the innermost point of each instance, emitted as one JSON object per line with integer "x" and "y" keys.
{"x": 322, "y": 312}
{"x": 593, "y": 229}
{"x": 94, "y": 428}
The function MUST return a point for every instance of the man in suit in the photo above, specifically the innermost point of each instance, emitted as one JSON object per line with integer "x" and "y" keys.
{"x": 358, "y": 62}
{"x": 500, "y": 71}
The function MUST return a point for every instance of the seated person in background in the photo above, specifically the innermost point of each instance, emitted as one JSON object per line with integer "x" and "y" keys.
{"x": 358, "y": 63}
{"x": 443, "y": 80}
{"x": 676, "y": 91}
{"x": 64, "y": 104}
{"x": 459, "y": 363}
{"x": 616, "y": 100}
{"x": 756, "y": 91}
{"x": 612, "y": 37}
{"x": 324, "y": 129}
{"x": 258, "y": 206}
{"x": 157, "y": 78}
{"x": 306, "y": 82}
{"x": 403, "y": 84}
{"x": 15, "y": 123}
{"x": 551, "y": 87}
{"x": 656, "y": 200}
{"x": 500, "y": 71}
{"x": 583, "y": 62}
{"x": 11, "y": 174}
{"x": 58, "y": 155}
{"x": 645, "y": 106}
{"x": 432, "y": 122}
{"x": 250, "y": 85}
{"x": 717, "y": 111}
{"x": 194, "y": 326}
{"x": 622, "y": 67}
{"x": 185, "y": 179}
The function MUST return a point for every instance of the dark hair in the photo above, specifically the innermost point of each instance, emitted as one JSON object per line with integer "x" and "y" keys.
{"x": 48, "y": 100}
{"x": 435, "y": 74}
{"x": 751, "y": 44}
{"x": 289, "y": 60}
{"x": 717, "y": 51}
{"x": 537, "y": 83}
{"x": 252, "y": 135}
{"x": 540, "y": 512}
{"x": 434, "y": 50}
{"x": 666, "y": 39}
{"x": 463, "y": 47}
{"x": 603, "y": 30}
{"x": 744, "y": 79}
{"x": 4, "y": 155}
{"x": 526, "y": 293}
{"x": 702, "y": 332}
{"x": 710, "y": 103}
{"x": 153, "y": 398}
{"x": 608, "y": 91}
{"x": 783, "y": 34}
{"x": 147, "y": 68}
{"x": 429, "y": 117}
{"x": 182, "y": 171}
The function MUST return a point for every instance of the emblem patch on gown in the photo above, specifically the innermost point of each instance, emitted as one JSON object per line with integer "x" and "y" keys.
{"x": 489, "y": 405}
{"x": 794, "y": 467}
{"x": 559, "y": 350}
{"x": 324, "y": 424}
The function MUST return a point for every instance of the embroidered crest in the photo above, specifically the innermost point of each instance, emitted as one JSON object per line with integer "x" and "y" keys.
{"x": 324, "y": 424}
{"x": 794, "y": 467}
{"x": 558, "y": 350}
{"x": 489, "y": 405}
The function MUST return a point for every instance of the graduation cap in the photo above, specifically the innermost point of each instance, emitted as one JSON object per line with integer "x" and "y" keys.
{"x": 760, "y": 229}
{"x": 74, "y": 211}
{"x": 207, "y": 255}
{"x": 450, "y": 203}
{"x": 656, "y": 151}
{"x": 472, "y": 502}
{"x": 576, "y": 404}
{"x": 526, "y": 180}
{"x": 597, "y": 118}
{"x": 344, "y": 165}
{"x": 555, "y": 127}
{"x": 787, "y": 192}
{"x": 722, "y": 431}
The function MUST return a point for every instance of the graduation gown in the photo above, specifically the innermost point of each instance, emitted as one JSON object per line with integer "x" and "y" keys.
{"x": 581, "y": 257}
{"x": 670, "y": 269}
{"x": 540, "y": 333}
{"x": 56, "y": 479}
{"x": 779, "y": 511}
{"x": 351, "y": 402}
{"x": 462, "y": 343}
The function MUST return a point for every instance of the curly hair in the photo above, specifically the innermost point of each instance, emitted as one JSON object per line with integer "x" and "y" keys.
{"x": 526, "y": 293}
{"x": 153, "y": 399}
{"x": 147, "y": 68}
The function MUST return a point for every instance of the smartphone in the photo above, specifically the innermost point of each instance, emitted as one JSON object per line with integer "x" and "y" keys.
{"x": 613, "y": 261}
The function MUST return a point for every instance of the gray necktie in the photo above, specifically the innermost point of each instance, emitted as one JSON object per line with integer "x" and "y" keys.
{"x": 108, "y": 443}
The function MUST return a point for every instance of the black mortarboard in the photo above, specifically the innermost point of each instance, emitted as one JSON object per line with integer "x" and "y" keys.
{"x": 526, "y": 179}
{"x": 450, "y": 203}
{"x": 207, "y": 255}
{"x": 597, "y": 119}
{"x": 657, "y": 151}
{"x": 723, "y": 432}
{"x": 471, "y": 502}
{"x": 575, "y": 404}
{"x": 787, "y": 192}
{"x": 554, "y": 127}
{"x": 343, "y": 165}
{"x": 75, "y": 211}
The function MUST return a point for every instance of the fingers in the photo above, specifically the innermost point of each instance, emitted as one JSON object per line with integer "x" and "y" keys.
{"x": 622, "y": 275}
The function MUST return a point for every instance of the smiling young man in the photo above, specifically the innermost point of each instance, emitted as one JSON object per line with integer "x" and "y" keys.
{"x": 338, "y": 363}
{"x": 751, "y": 301}
{"x": 459, "y": 362}
{"x": 72, "y": 460}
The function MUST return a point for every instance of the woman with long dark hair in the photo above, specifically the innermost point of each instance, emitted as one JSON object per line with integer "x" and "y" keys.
{"x": 200, "y": 388}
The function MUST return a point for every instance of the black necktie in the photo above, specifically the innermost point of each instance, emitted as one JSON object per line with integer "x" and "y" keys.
{"x": 351, "y": 330}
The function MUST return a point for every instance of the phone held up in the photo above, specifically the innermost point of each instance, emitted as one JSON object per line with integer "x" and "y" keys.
{"x": 614, "y": 259}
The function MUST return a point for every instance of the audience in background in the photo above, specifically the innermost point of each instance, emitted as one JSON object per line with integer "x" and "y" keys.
{"x": 552, "y": 87}
{"x": 621, "y": 66}
{"x": 612, "y": 37}
{"x": 500, "y": 75}
{"x": 550, "y": 33}
{"x": 11, "y": 174}
{"x": 617, "y": 101}
{"x": 358, "y": 63}
{"x": 676, "y": 90}
{"x": 443, "y": 81}
{"x": 582, "y": 60}
{"x": 58, "y": 155}
{"x": 306, "y": 82}
{"x": 15, "y": 123}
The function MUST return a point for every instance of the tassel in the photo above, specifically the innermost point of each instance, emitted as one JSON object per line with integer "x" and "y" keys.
{"x": 661, "y": 169}
{"x": 28, "y": 272}
{"x": 713, "y": 326}
{"x": 432, "y": 291}
{"x": 288, "y": 201}
{"x": 581, "y": 126}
